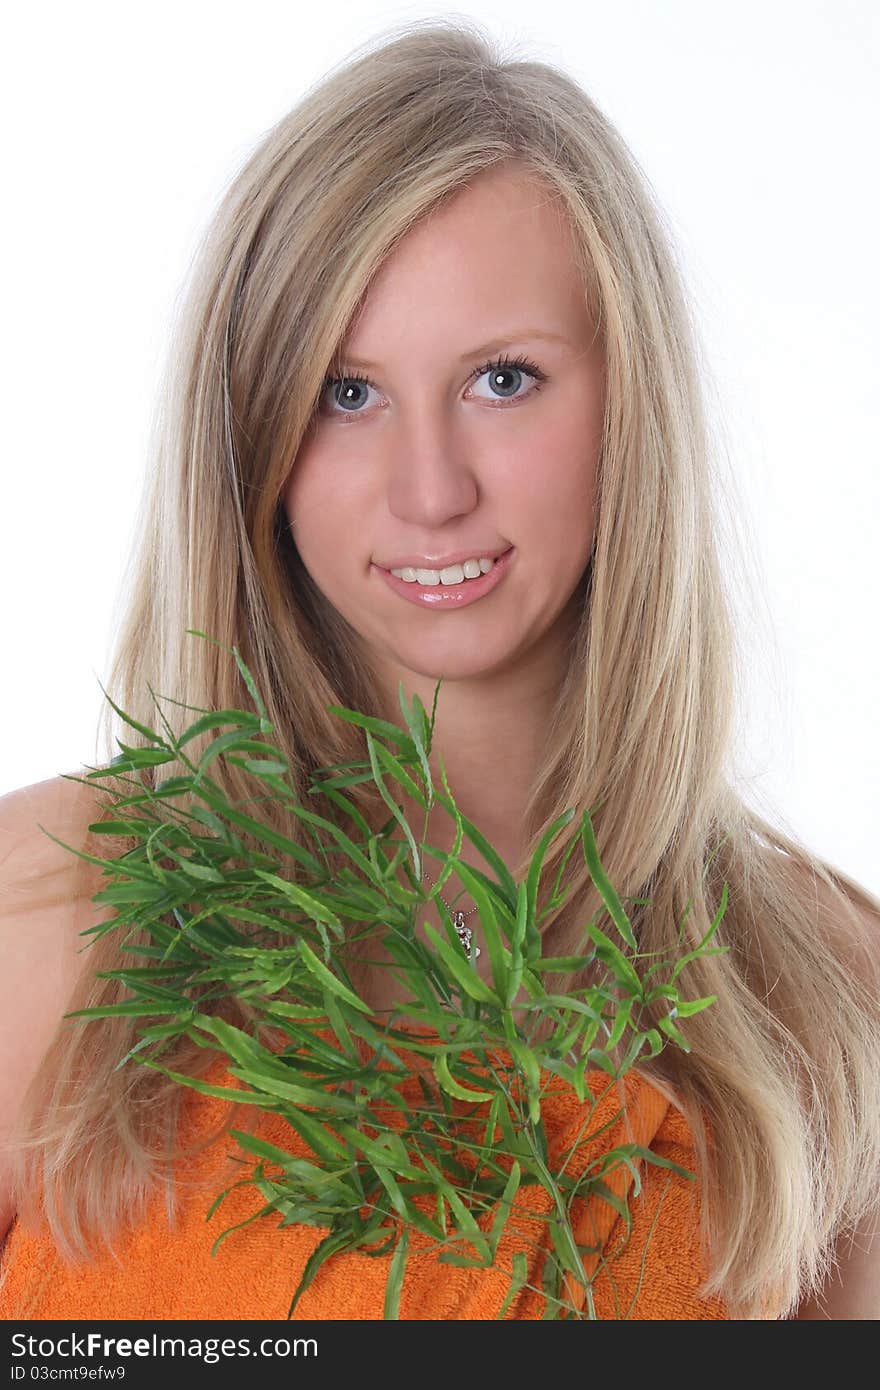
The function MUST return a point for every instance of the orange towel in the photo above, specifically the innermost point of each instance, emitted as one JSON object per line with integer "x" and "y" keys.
{"x": 169, "y": 1273}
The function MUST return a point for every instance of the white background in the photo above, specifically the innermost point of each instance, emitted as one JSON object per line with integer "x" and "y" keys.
{"x": 757, "y": 125}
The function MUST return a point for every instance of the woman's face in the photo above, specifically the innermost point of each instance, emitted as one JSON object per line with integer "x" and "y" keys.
{"x": 422, "y": 450}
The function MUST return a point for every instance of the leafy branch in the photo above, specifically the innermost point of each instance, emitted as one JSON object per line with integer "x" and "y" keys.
{"x": 431, "y": 1134}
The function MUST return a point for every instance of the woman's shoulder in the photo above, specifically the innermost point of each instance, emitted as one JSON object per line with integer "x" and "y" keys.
{"x": 45, "y": 904}
{"x": 45, "y": 898}
{"x": 42, "y": 883}
{"x": 62, "y": 805}
{"x": 40, "y": 879}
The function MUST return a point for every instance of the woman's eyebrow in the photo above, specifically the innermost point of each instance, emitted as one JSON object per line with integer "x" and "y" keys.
{"x": 493, "y": 345}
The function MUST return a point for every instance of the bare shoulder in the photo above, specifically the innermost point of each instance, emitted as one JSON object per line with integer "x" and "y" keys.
{"x": 45, "y": 903}
{"x": 64, "y": 807}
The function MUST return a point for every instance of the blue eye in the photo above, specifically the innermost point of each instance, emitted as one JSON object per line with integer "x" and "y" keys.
{"x": 349, "y": 390}
{"x": 516, "y": 367}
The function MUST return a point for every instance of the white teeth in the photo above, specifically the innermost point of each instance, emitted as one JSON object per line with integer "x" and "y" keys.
{"x": 453, "y": 574}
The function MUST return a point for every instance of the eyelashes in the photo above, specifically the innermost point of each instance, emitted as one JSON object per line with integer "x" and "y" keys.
{"x": 520, "y": 363}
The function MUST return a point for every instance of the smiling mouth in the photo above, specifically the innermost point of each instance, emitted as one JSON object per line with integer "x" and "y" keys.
{"x": 431, "y": 577}
{"x": 457, "y": 591}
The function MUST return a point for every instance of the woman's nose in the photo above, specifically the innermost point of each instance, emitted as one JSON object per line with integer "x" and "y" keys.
{"x": 431, "y": 474}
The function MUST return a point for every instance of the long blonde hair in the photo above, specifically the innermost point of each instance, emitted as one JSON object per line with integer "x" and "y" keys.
{"x": 786, "y": 1065}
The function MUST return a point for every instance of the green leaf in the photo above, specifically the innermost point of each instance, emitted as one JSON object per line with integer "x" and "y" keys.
{"x": 207, "y": 1088}
{"x": 128, "y": 1010}
{"x": 348, "y": 806}
{"x": 394, "y": 1282}
{"x": 427, "y": 726}
{"x": 326, "y": 978}
{"x": 216, "y": 825}
{"x": 603, "y": 1061}
{"x": 391, "y": 1186}
{"x": 453, "y": 1087}
{"x": 265, "y": 767}
{"x": 468, "y": 1226}
{"x": 121, "y": 827}
{"x": 613, "y": 957}
{"x": 252, "y": 689}
{"x": 514, "y": 977}
{"x": 333, "y": 1241}
{"x": 661, "y": 992}
{"x": 205, "y": 873}
{"x": 238, "y": 1225}
{"x": 621, "y": 1019}
{"x": 314, "y": 906}
{"x": 147, "y": 732}
{"x": 377, "y": 1152}
{"x": 528, "y": 1062}
{"x": 142, "y": 757}
{"x": 317, "y": 1097}
{"x": 238, "y": 1045}
{"x": 522, "y": 911}
{"x": 380, "y": 727}
{"x": 233, "y": 742}
{"x": 398, "y": 771}
{"x": 344, "y": 841}
{"x": 321, "y": 1140}
{"x": 534, "y": 874}
{"x": 636, "y": 1044}
{"x": 561, "y": 1002}
{"x": 498, "y": 955}
{"x": 672, "y": 1032}
{"x": 701, "y": 951}
{"x": 505, "y": 1206}
{"x": 564, "y": 1245}
{"x": 563, "y": 963}
{"x": 461, "y": 969}
{"x": 416, "y": 725}
{"x": 391, "y": 803}
{"x": 341, "y": 1031}
{"x": 519, "y": 1277}
{"x": 448, "y": 1257}
{"x": 261, "y": 832}
{"x": 216, "y": 720}
{"x": 659, "y": 1161}
{"x": 253, "y": 1144}
{"x": 506, "y": 883}
{"x": 600, "y": 878}
{"x": 601, "y": 1189}
{"x": 685, "y": 1008}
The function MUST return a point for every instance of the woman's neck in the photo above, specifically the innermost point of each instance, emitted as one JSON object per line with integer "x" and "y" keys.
{"x": 490, "y": 738}
{"x": 490, "y": 729}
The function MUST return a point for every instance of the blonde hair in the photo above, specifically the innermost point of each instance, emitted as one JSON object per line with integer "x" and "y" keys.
{"x": 644, "y": 722}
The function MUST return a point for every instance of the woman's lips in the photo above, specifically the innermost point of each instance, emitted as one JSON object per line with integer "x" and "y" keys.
{"x": 450, "y": 595}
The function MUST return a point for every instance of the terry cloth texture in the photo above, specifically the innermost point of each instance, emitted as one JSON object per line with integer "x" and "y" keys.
{"x": 168, "y": 1272}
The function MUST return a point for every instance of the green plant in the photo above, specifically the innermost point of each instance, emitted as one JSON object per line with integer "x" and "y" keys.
{"x": 270, "y": 927}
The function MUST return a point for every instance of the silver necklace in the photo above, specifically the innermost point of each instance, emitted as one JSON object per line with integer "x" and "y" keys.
{"x": 465, "y": 935}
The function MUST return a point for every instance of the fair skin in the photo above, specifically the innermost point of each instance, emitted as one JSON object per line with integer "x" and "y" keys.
{"x": 433, "y": 465}
{"x": 424, "y": 462}
{"x": 439, "y": 455}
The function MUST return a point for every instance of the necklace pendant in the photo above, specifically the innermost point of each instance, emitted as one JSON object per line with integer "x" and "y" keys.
{"x": 465, "y": 935}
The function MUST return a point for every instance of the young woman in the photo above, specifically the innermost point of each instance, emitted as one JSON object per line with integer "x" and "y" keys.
{"x": 433, "y": 409}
